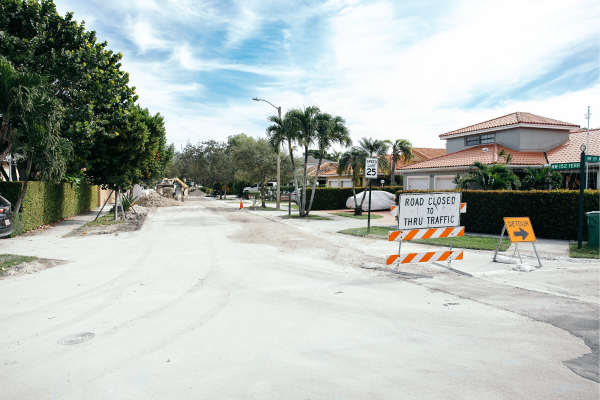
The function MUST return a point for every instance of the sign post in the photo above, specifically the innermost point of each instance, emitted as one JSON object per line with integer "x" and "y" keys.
{"x": 582, "y": 185}
{"x": 371, "y": 167}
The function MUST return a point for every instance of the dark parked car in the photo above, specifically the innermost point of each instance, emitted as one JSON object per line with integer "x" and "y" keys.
{"x": 6, "y": 226}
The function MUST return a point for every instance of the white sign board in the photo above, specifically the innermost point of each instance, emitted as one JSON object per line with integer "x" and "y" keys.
{"x": 429, "y": 210}
{"x": 371, "y": 167}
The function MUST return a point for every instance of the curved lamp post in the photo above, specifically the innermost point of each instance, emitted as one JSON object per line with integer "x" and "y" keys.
{"x": 278, "y": 159}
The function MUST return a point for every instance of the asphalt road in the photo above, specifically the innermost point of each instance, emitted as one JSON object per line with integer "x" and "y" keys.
{"x": 209, "y": 302}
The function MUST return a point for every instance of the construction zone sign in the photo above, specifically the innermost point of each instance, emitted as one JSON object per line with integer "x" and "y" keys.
{"x": 519, "y": 229}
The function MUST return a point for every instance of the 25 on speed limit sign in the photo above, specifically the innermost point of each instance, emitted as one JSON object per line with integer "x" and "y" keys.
{"x": 371, "y": 168}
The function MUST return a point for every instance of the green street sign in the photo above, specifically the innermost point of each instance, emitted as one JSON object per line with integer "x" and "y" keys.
{"x": 592, "y": 158}
{"x": 572, "y": 165}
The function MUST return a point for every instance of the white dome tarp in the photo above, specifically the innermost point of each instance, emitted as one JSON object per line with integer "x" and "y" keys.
{"x": 380, "y": 200}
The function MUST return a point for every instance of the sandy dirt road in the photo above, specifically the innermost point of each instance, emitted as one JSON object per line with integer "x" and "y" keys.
{"x": 208, "y": 302}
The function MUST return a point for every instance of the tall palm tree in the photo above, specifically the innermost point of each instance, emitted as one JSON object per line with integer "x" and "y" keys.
{"x": 331, "y": 130}
{"x": 284, "y": 130}
{"x": 378, "y": 149}
{"x": 494, "y": 177}
{"x": 401, "y": 151}
{"x": 351, "y": 163}
{"x": 31, "y": 125}
{"x": 307, "y": 123}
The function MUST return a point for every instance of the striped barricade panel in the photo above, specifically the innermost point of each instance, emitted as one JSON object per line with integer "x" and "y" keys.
{"x": 426, "y": 256}
{"x": 463, "y": 208}
{"x": 432, "y": 233}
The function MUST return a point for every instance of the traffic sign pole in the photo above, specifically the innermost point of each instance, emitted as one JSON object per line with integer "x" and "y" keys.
{"x": 369, "y": 217}
{"x": 582, "y": 185}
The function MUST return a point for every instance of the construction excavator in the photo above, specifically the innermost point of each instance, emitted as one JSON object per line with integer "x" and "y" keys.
{"x": 173, "y": 187}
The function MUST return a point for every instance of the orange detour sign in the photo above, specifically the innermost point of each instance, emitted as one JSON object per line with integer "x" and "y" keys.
{"x": 519, "y": 229}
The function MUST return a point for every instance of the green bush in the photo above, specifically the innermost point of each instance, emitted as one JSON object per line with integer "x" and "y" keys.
{"x": 206, "y": 190}
{"x": 553, "y": 214}
{"x": 335, "y": 198}
{"x": 45, "y": 202}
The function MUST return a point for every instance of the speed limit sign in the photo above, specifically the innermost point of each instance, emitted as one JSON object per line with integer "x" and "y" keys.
{"x": 371, "y": 167}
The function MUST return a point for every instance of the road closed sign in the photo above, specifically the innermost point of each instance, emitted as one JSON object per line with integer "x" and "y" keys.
{"x": 429, "y": 210}
{"x": 371, "y": 166}
{"x": 519, "y": 229}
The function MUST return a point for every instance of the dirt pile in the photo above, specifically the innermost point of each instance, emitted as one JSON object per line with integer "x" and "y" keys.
{"x": 155, "y": 200}
{"x": 32, "y": 267}
{"x": 197, "y": 193}
{"x": 137, "y": 212}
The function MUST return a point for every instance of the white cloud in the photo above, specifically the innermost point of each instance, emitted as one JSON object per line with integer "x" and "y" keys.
{"x": 145, "y": 36}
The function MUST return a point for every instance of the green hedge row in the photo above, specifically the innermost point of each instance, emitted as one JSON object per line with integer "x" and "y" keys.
{"x": 553, "y": 214}
{"x": 335, "y": 198}
{"x": 45, "y": 202}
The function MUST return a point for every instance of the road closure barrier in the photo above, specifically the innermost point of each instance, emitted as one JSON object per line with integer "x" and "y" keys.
{"x": 519, "y": 230}
{"x": 427, "y": 216}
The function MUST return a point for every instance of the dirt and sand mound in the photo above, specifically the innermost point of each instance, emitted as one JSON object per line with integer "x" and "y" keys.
{"x": 153, "y": 199}
{"x": 197, "y": 193}
{"x": 32, "y": 267}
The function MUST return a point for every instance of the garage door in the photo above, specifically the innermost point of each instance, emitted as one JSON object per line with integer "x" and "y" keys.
{"x": 444, "y": 183}
{"x": 347, "y": 183}
{"x": 333, "y": 183}
{"x": 418, "y": 183}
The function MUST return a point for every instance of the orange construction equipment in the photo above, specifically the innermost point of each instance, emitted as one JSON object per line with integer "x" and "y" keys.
{"x": 241, "y": 204}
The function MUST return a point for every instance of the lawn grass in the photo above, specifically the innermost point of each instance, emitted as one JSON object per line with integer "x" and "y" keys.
{"x": 259, "y": 208}
{"x": 8, "y": 261}
{"x": 585, "y": 252}
{"x": 316, "y": 217}
{"x": 103, "y": 220}
{"x": 364, "y": 216}
{"x": 463, "y": 242}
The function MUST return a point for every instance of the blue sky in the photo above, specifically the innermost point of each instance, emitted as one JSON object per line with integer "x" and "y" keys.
{"x": 403, "y": 69}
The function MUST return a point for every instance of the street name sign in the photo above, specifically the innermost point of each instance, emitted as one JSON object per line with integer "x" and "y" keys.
{"x": 371, "y": 167}
{"x": 519, "y": 229}
{"x": 571, "y": 165}
{"x": 429, "y": 210}
{"x": 592, "y": 158}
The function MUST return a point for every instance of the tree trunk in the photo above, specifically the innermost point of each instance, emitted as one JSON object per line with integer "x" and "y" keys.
{"x": 262, "y": 190}
{"x": 295, "y": 174}
{"x": 116, "y": 207}
{"x": 364, "y": 195}
{"x": 393, "y": 176}
{"x": 24, "y": 190}
{"x": 312, "y": 194}
{"x": 357, "y": 210}
{"x": 304, "y": 182}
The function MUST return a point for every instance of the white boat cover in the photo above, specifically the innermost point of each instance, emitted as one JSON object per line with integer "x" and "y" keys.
{"x": 380, "y": 200}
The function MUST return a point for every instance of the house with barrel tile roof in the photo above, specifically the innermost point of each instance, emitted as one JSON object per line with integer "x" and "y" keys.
{"x": 532, "y": 140}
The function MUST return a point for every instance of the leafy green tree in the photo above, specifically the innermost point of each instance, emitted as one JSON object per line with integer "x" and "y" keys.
{"x": 537, "y": 178}
{"x": 352, "y": 163}
{"x": 82, "y": 73}
{"x": 30, "y": 127}
{"x": 159, "y": 155}
{"x": 401, "y": 152}
{"x": 494, "y": 177}
{"x": 330, "y": 131}
{"x": 223, "y": 166}
{"x": 257, "y": 160}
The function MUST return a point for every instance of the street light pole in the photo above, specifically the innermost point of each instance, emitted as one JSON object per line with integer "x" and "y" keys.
{"x": 587, "y": 168}
{"x": 278, "y": 205}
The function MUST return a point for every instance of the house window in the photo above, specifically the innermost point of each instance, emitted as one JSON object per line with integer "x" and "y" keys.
{"x": 480, "y": 139}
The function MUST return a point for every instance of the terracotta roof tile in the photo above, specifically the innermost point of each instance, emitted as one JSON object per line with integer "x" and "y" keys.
{"x": 428, "y": 152}
{"x": 329, "y": 168}
{"x": 466, "y": 157}
{"x": 510, "y": 119}
{"x": 570, "y": 151}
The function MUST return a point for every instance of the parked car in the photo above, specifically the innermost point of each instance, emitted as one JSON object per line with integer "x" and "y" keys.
{"x": 6, "y": 225}
{"x": 256, "y": 187}
{"x": 294, "y": 195}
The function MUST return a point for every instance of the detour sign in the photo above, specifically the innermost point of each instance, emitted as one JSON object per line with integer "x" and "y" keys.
{"x": 519, "y": 229}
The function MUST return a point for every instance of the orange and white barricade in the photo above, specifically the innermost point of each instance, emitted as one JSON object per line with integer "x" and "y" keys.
{"x": 425, "y": 256}
{"x": 432, "y": 233}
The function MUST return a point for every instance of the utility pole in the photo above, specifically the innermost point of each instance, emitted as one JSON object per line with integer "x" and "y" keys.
{"x": 278, "y": 206}
{"x": 587, "y": 167}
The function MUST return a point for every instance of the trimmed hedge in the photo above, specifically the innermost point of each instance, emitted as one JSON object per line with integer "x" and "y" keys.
{"x": 553, "y": 214}
{"x": 46, "y": 202}
{"x": 335, "y": 198}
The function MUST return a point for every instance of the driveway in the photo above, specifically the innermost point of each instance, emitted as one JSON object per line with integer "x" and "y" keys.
{"x": 208, "y": 301}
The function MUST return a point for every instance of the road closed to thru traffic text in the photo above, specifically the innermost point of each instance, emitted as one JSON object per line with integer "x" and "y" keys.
{"x": 429, "y": 210}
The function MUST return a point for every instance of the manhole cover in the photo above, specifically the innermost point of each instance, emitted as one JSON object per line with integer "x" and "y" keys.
{"x": 76, "y": 338}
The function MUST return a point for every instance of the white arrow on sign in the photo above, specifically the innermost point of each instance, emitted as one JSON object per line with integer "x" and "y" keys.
{"x": 371, "y": 166}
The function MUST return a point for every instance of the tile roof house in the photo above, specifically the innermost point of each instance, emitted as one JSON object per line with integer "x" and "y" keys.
{"x": 532, "y": 140}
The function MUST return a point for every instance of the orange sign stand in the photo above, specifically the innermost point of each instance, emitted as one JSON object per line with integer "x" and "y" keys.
{"x": 519, "y": 230}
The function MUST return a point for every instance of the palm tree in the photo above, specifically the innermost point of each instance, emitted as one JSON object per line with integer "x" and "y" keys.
{"x": 401, "y": 151}
{"x": 31, "y": 125}
{"x": 494, "y": 177}
{"x": 331, "y": 130}
{"x": 307, "y": 124}
{"x": 352, "y": 163}
{"x": 378, "y": 149}
{"x": 284, "y": 130}
{"x": 537, "y": 178}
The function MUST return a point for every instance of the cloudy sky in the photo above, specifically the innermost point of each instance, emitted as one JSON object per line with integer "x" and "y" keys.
{"x": 399, "y": 69}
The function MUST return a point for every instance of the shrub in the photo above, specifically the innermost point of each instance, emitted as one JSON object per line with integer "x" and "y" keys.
{"x": 46, "y": 202}
{"x": 553, "y": 214}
